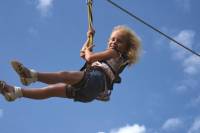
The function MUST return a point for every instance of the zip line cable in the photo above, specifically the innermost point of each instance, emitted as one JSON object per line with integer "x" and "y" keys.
{"x": 152, "y": 27}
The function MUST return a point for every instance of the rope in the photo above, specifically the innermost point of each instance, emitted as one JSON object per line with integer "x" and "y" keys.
{"x": 90, "y": 16}
{"x": 90, "y": 24}
{"x": 90, "y": 19}
{"x": 152, "y": 27}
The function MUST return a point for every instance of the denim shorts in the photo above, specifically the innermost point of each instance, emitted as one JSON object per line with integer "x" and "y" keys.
{"x": 89, "y": 87}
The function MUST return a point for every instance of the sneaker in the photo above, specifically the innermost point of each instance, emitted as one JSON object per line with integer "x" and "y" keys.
{"x": 8, "y": 93}
{"x": 27, "y": 76}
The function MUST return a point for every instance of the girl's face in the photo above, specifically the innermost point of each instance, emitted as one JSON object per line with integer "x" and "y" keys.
{"x": 118, "y": 40}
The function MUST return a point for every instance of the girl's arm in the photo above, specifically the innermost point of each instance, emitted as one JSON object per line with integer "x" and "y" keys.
{"x": 82, "y": 52}
{"x": 87, "y": 43}
{"x": 91, "y": 57}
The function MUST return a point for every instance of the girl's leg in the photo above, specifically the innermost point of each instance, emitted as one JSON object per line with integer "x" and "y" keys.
{"x": 54, "y": 90}
{"x": 68, "y": 77}
{"x": 28, "y": 76}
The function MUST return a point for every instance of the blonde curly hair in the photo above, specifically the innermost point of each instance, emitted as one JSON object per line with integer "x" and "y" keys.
{"x": 133, "y": 42}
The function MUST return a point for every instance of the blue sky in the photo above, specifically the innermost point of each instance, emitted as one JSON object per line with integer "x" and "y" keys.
{"x": 160, "y": 94}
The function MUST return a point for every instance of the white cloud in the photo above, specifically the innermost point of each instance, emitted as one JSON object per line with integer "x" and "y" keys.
{"x": 130, "y": 129}
{"x": 192, "y": 65}
{"x": 44, "y": 6}
{"x": 195, "y": 102}
{"x": 182, "y": 88}
{"x": 33, "y": 31}
{"x": 187, "y": 84}
{"x": 185, "y": 4}
{"x": 195, "y": 128}
{"x": 1, "y": 113}
{"x": 172, "y": 123}
{"x": 186, "y": 37}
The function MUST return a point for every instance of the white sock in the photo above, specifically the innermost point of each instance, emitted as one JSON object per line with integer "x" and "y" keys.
{"x": 18, "y": 92}
{"x": 34, "y": 75}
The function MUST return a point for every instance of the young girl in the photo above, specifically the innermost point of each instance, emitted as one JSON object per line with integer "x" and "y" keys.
{"x": 94, "y": 81}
